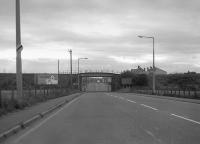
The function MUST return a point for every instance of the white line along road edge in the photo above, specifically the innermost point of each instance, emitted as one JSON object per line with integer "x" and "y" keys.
{"x": 45, "y": 120}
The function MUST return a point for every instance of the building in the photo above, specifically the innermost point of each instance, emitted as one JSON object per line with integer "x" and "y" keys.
{"x": 158, "y": 71}
{"x": 139, "y": 70}
{"x": 148, "y": 70}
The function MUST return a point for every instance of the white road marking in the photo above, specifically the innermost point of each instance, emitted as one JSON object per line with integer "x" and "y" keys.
{"x": 122, "y": 98}
{"x": 153, "y": 136}
{"x": 44, "y": 121}
{"x": 185, "y": 118}
{"x": 149, "y": 133}
{"x": 131, "y": 101}
{"x": 135, "y": 102}
{"x": 157, "y": 110}
{"x": 149, "y": 107}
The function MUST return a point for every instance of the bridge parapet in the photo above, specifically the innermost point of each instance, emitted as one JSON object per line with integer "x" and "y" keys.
{"x": 96, "y": 74}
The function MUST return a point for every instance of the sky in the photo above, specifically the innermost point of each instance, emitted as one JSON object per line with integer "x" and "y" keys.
{"x": 104, "y": 31}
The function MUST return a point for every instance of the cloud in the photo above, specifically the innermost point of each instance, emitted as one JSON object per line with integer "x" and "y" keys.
{"x": 138, "y": 59}
{"x": 103, "y": 29}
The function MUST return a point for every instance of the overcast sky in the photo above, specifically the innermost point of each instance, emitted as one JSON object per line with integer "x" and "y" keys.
{"x": 105, "y": 31}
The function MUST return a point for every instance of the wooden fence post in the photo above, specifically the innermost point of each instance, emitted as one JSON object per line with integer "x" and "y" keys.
{"x": 12, "y": 95}
{"x": 0, "y": 99}
{"x": 35, "y": 92}
{"x": 44, "y": 92}
{"x": 29, "y": 91}
{"x": 195, "y": 93}
{"x": 47, "y": 92}
{"x": 54, "y": 92}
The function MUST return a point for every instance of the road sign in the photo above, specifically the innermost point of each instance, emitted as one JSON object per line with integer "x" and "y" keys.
{"x": 46, "y": 79}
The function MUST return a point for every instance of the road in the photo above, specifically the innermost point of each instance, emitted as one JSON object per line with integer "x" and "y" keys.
{"x": 114, "y": 118}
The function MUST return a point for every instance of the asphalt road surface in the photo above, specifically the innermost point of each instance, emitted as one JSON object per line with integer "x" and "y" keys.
{"x": 114, "y": 118}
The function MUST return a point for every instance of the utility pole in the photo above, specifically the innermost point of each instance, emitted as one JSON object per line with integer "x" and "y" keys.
{"x": 19, "y": 48}
{"x": 58, "y": 67}
{"x": 58, "y": 70}
{"x": 78, "y": 76}
{"x": 70, "y": 51}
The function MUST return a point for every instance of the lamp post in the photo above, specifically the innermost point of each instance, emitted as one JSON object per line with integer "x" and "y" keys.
{"x": 153, "y": 88}
{"x": 19, "y": 48}
{"x": 78, "y": 71}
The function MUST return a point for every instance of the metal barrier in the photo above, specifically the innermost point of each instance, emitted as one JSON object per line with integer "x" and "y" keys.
{"x": 9, "y": 97}
{"x": 173, "y": 93}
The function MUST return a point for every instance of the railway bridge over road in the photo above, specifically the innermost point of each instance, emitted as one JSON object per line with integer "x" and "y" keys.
{"x": 96, "y": 81}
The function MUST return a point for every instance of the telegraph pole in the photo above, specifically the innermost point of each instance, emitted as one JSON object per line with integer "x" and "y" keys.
{"x": 78, "y": 75}
{"x": 19, "y": 49}
{"x": 70, "y": 51}
{"x": 58, "y": 67}
{"x": 58, "y": 70}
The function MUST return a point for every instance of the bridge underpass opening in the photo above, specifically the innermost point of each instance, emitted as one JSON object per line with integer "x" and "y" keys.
{"x": 96, "y": 84}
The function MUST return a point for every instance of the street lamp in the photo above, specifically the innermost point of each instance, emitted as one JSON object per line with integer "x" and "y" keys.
{"x": 154, "y": 89}
{"x": 78, "y": 70}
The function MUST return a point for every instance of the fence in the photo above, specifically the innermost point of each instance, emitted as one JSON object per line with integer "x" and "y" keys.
{"x": 173, "y": 93}
{"x": 8, "y": 98}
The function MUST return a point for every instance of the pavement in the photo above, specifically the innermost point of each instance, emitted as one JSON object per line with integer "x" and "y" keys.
{"x": 11, "y": 119}
{"x": 116, "y": 118}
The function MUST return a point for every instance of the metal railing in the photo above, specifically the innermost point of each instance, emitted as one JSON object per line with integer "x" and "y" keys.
{"x": 8, "y": 98}
{"x": 174, "y": 93}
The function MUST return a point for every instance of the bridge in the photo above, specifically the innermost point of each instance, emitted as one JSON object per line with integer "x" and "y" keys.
{"x": 96, "y": 81}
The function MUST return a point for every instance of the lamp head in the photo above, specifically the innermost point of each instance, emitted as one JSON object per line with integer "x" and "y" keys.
{"x": 82, "y": 58}
{"x": 140, "y": 36}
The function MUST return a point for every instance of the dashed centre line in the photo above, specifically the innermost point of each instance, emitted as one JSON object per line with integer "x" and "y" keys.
{"x": 135, "y": 102}
{"x": 130, "y": 101}
{"x": 185, "y": 118}
{"x": 175, "y": 115}
{"x": 149, "y": 107}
